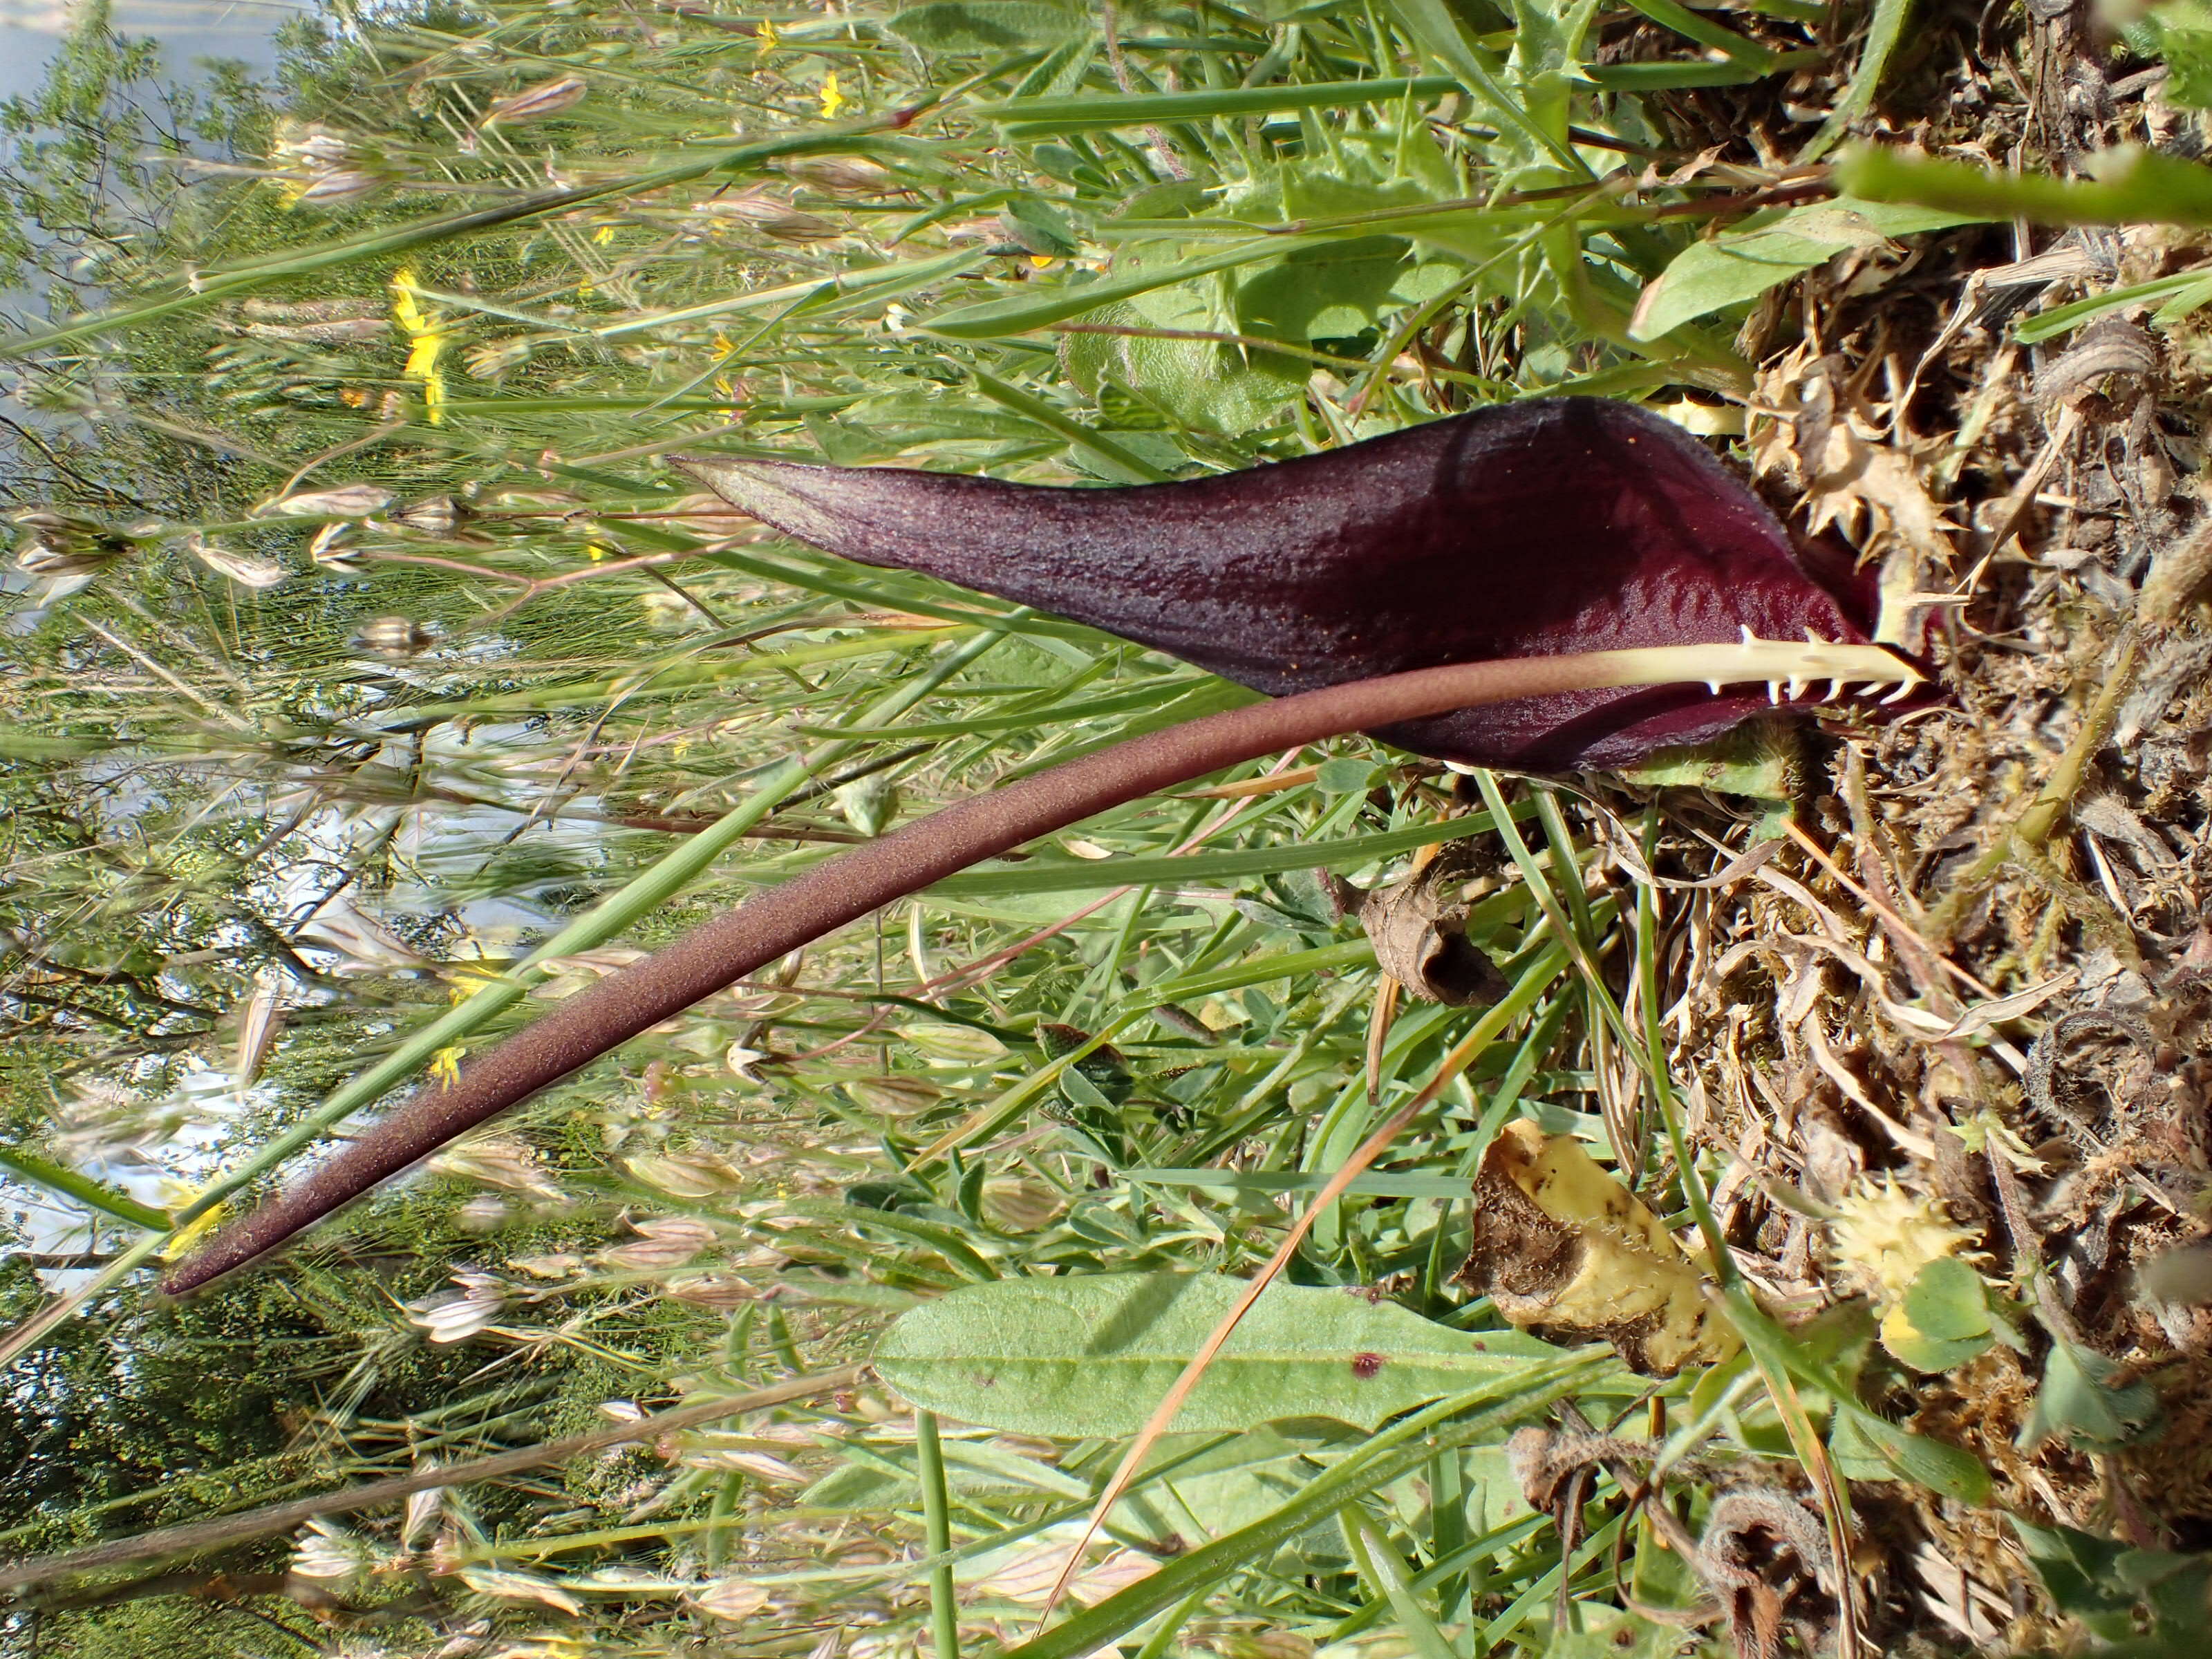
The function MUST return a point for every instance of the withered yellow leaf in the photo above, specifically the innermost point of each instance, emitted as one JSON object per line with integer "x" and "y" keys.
{"x": 1569, "y": 1254}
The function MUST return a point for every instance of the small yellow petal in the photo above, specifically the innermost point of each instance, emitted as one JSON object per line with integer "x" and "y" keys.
{"x": 180, "y": 1243}
{"x": 604, "y": 234}
{"x": 446, "y": 1066}
{"x": 1042, "y": 261}
{"x": 768, "y": 38}
{"x": 404, "y": 309}
{"x": 832, "y": 99}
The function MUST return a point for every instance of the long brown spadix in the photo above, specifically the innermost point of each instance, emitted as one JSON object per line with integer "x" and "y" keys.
{"x": 845, "y": 888}
{"x": 1530, "y": 528}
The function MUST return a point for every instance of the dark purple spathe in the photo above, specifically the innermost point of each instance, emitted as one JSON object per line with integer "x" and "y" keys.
{"x": 1528, "y": 529}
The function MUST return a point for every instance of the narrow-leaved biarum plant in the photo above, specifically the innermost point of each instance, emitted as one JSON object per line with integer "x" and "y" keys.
{"x": 1547, "y": 584}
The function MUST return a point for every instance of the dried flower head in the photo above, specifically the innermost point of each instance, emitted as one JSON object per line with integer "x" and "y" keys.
{"x": 536, "y": 103}
{"x": 1882, "y": 1237}
{"x": 394, "y": 636}
{"x": 353, "y": 501}
{"x": 55, "y": 543}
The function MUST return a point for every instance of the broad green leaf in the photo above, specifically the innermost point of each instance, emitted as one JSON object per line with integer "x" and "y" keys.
{"x": 1943, "y": 1320}
{"x": 1327, "y": 293}
{"x": 1771, "y": 248}
{"x": 2078, "y": 1402}
{"x": 1093, "y": 1356}
{"x": 988, "y": 25}
{"x": 1947, "y": 1302}
{"x": 1205, "y": 385}
{"x": 2105, "y": 1584}
{"x": 1924, "y": 1352}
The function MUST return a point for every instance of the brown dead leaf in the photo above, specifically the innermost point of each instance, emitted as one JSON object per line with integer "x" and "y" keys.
{"x": 1418, "y": 927}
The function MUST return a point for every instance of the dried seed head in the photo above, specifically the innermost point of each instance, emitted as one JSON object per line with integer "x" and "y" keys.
{"x": 243, "y": 568}
{"x": 353, "y": 501}
{"x": 312, "y": 148}
{"x": 493, "y": 358}
{"x": 344, "y": 331}
{"x": 55, "y": 543}
{"x": 338, "y": 189}
{"x": 838, "y": 175}
{"x": 770, "y": 217}
{"x": 457, "y": 1318}
{"x": 394, "y": 636}
{"x": 333, "y": 547}
{"x": 438, "y": 516}
{"x": 536, "y": 103}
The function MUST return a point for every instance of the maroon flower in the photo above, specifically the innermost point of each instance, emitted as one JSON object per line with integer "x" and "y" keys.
{"x": 1528, "y": 529}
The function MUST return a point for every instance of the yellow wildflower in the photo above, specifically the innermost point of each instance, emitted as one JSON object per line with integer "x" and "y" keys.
{"x": 832, "y": 99}
{"x": 767, "y": 37}
{"x": 176, "y": 1195}
{"x": 404, "y": 310}
{"x": 426, "y": 341}
{"x": 604, "y": 234}
{"x": 446, "y": 1067}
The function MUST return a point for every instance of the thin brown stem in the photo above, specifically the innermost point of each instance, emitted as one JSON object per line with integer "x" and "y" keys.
{"x": 844, "y": 889}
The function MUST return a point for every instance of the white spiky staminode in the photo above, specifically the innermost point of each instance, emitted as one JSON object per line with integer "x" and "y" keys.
{"x": 1784, "y": 666}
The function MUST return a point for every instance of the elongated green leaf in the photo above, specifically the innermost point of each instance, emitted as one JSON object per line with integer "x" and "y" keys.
{"x": 1017, "y": 313}
{"x": 2127, "y": 185}
{"x": 1666, "y": 77}
{"x": 54, "y": 1177}
{"x": 1690, "y": 26}
{"x": 1881, "y": 37}
{"x": 1741, "y": 264}
{"x": 1028, "y": 118}
{"x": 1946, "y": 1469}
{"x": 1076, "y": 877}
{"x": 2048, "y": 326}
{"x": 1083, "y": 1356}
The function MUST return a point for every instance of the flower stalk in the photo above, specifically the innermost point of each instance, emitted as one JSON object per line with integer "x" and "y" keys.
{"x": 847, "y": 888}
